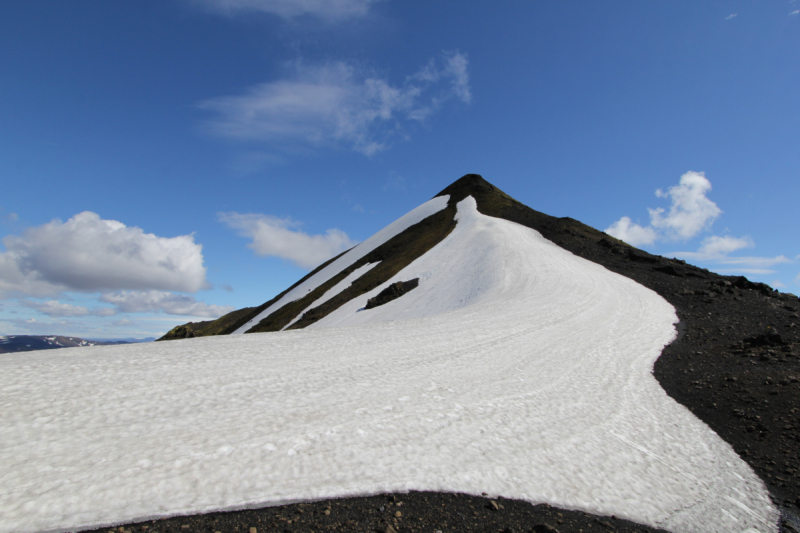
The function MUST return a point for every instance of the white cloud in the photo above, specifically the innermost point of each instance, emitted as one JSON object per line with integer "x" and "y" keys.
{"x": 731, "y": 16}
{"x": 31, "y": 326}
{"x": 336, "y": 104}
{"x": 690, "y": 213}
{"x": 167, "y": 302}
{"x": 756, "y": 262}
{"x": 715, "y": 250}
{"x": 715, "y": 246}
{"x": 797, "y": 279}
{"x": 759, "y": 271}
{"x": 55, "y": 308}
{"x": 632, "y": 233}
{"x": 332, "y": 10}
{"x": 795, "y": 12}
{"x": 87, "y": 254}
{"x": 278, "y": 237}
{"x": 776, "y": 283}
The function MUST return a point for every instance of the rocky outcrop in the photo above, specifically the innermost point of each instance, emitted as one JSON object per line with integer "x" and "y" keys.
{"x": 392, "y": 292}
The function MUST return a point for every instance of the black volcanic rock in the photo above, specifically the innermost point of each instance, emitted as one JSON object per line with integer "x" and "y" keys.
{"x": 392, "y": 292}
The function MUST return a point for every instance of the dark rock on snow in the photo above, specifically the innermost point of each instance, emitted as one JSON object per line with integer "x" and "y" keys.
{"x": 392, "y": 292}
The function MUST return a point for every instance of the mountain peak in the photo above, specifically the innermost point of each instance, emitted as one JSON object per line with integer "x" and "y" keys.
{"x": 468, "y": 185}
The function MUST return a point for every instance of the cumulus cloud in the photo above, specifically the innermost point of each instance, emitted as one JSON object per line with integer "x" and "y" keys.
{"x": 690, "y": 213}
{"x": 167, "y": 302}
{"x": 88, "y": 254}
{"x": 632, "y": 233}
{"x": 54, "y": 308}
{"x": 338, "y": 104}
{"x": 279, "y": 237}
{"x": 331, "y": 10}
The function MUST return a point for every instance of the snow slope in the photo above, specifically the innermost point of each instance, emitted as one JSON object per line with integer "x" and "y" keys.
{"x": 520, "y": 370}
{"x": 419, "y": 214}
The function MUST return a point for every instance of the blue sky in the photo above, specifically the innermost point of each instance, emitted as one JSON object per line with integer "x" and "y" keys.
{"x": 169, "y": 161}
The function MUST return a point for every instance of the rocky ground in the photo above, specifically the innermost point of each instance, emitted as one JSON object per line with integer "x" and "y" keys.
{"x": 427, "y": 512}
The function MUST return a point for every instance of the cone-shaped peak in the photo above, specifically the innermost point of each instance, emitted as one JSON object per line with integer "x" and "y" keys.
{"x": 468, "y": 185}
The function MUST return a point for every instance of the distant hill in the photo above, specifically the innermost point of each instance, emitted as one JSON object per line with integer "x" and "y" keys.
{"x": 28, "y": 343}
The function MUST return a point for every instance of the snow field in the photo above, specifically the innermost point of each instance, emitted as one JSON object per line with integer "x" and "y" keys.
{"x": 518, "y": 370}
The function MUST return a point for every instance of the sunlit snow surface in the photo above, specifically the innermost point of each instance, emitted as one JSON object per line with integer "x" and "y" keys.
{"x": 536, "y": 385}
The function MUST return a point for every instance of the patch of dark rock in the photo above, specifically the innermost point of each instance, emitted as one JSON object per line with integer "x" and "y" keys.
{"x": 769, "y": 337}
{"x": 418, "y": 512}
{"x": 669, "y": 269}
{"x": 392, "y": 292}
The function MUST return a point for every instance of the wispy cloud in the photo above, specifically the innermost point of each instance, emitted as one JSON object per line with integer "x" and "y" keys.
{"x": 795, "y": 12}
{"x": 755, "y": 271}
{"x": 716, "y": 249}
{"x": 744, "y": 264}
{"x": 54, "y": 308}
{"x": 731, "y": 16}
{"x": 36, "y": 327}
{"x": 281, "y": 237}
{"x": 166, "y": 302}
{"x": 90, "y": 254}
{"x": 338, "y": 104}
{"x": 690, "y": 213}
{"x": 332, "y": 10}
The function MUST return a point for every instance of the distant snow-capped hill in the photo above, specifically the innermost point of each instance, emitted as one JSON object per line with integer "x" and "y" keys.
{"x": 27, "y": 343}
